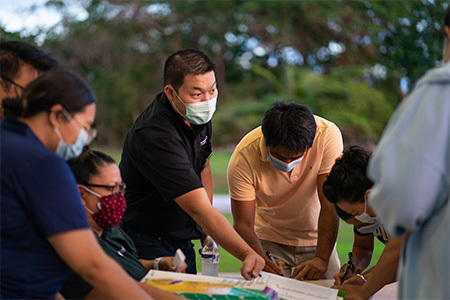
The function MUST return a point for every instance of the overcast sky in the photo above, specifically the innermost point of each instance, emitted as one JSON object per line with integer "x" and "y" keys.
{"x": 15, "y": 15}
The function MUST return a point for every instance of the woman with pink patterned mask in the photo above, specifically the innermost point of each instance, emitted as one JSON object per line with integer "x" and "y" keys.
{"x": 102, "y": 195}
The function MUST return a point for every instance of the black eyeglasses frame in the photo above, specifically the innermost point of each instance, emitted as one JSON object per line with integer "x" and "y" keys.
{"x": 122, "y": 187}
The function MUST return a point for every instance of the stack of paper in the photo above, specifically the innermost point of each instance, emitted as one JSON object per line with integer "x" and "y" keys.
{"x": 267, "y": 287}
{"x": 291, "y": 289}
{"x": 207, "y": 287}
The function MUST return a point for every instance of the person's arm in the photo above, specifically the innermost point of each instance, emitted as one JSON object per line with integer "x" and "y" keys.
{"x": 384, "y": 272}
{"x": 151, "y": 290}
{"x": 328, "y": 229}
{"x": 362, "y": 255}
{"x": 165, "y": 264}
{"x": 206, "y": 176}
{"x": 81, "y": 252}
{"x": 197, "y": 205}
{"x": 244, "y": 222}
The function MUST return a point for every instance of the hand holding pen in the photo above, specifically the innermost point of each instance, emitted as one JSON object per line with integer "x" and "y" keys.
{"x": 270, "y": 256}
{"x": 350, "y": 267}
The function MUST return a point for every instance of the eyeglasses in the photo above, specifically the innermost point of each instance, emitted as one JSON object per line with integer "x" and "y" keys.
{"x": 114, "y": 188}
{"x": 7, "y": 87}
{"x": 92, "y": 133}
{"x": 12, "y": 82}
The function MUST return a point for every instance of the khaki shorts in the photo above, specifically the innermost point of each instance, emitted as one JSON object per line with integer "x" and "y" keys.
{"x": 292, "y": 256}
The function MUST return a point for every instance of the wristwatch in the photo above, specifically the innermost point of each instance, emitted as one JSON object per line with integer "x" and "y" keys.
{"x": 156, "y": 263}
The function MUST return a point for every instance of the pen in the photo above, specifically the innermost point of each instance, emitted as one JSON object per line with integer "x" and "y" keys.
{"x": 270, "y": 256}
{"x": 251, "y": 274}
{"x": 350, "y": 267}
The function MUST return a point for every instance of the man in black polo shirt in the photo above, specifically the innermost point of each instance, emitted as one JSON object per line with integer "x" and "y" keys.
{"x": 165, "y": 163}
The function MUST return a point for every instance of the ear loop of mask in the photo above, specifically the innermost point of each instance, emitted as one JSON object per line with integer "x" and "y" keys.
{"x": 99, "y": 204}
{"x": 176, "y": 108}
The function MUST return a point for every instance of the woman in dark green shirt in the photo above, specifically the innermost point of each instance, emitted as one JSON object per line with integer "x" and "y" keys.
{"x": 101, "y": 189}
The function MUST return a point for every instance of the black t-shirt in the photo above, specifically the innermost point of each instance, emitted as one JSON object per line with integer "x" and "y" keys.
{"x": 162, "y": 159}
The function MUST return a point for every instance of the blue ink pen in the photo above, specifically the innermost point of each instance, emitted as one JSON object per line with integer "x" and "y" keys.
{"x": 270, "y": 256}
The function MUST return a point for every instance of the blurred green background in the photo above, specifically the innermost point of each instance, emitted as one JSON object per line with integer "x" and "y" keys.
{"x": 350, "y": 61}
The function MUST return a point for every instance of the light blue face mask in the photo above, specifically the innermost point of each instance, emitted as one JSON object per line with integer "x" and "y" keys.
{"x": 371, "y": 228}
{"x": 67, "y": 151}
{"x": 374, "y": 222}
{"x": 198, "y": 113}
{"x": 281, "y": 165}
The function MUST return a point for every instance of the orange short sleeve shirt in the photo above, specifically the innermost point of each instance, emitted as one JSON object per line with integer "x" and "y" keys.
{"x": 287, "y": 203}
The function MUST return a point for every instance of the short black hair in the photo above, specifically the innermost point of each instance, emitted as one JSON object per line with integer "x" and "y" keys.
{"x": 290, "y": 125}
{"x": 14, "y": 53}
{"x": 348, "y": 180}
{"x": 185, "y": 62}
{"x": 87, "y": 164}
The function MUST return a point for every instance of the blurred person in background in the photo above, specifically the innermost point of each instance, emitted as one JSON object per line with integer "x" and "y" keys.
{"x": 410, "y": 169}
{"x": 20, "y": 63}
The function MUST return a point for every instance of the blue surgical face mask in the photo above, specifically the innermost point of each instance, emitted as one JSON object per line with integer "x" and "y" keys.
{"x": 371, "y": 228}
{"x": 365, "y": 217}
{"x": 281, "y": 165}
{"x": 198, "y": 113}
{"x": 67, "y": 151}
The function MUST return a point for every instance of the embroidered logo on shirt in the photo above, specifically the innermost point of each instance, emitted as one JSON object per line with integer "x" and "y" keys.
{"x": 204, "y": 141}
{"x": 121, "y": 251}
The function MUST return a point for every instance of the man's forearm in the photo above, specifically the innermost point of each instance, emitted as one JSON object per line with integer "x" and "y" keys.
{"x": 385, "y": 271}
{"x": 224, "y": 234}
{"x": 328, "y": 229}
{"x": 250, "y": 237}
{"x": 361, "y": 257}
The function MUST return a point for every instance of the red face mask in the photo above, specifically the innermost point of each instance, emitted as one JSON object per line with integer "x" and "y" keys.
{"x": 111, "y": 209}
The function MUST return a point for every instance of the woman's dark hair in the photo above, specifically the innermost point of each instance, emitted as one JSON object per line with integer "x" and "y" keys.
{"x": 14, "y": 53}
{"x": 186, "y": 62}
{"x": 348, "y": 180}
{"x": 56, "y": 86}
{"x": 87, "y": 165}
{"x": 290, "y": 125}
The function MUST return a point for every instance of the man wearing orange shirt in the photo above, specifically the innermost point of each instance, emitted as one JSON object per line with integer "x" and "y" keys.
{"x": 275, "y": 179}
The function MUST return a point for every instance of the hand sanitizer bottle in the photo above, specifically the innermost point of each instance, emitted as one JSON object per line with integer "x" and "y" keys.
{"x": 210, "y": 258}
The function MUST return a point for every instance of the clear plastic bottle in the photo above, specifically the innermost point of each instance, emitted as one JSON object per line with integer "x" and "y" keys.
{"x": 210, "y": 258}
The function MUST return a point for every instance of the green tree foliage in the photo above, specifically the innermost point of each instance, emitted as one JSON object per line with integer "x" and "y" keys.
{"x": 341, "y": 96}
{"x": 344, "y": 59}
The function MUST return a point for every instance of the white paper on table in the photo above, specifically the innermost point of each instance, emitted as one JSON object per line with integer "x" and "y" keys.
{"x": 291, "y": 289}
{"x": 238, "y": 283}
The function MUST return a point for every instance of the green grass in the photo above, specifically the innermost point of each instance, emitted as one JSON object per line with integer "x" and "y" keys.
{"x": 219, "y": 163}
